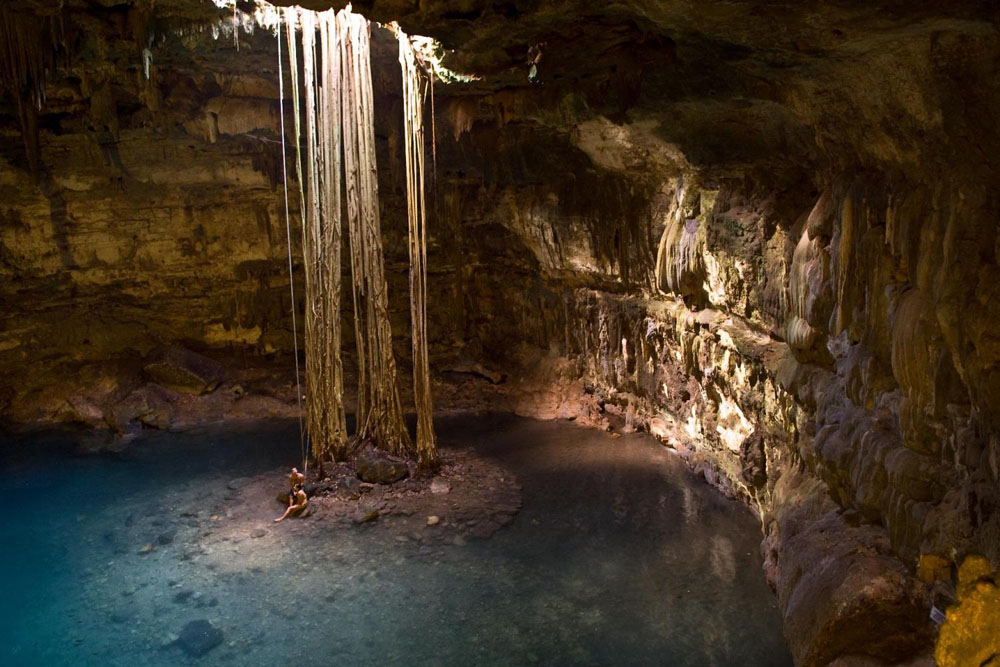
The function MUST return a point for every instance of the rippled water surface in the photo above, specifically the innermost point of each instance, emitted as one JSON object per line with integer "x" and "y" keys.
{"x": 618, "y": 557}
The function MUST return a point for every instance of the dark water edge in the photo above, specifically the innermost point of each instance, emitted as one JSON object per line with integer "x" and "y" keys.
{"x": 619, "y": 557}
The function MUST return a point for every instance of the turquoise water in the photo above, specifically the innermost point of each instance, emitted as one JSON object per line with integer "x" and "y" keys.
{"x": 618, "y": 557}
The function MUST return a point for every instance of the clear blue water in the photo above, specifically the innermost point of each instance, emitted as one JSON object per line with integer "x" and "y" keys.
{"x": 618, "y": 557}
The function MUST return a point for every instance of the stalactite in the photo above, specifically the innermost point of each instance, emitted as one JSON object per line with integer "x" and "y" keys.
{"x": 434, "y": 139}
{"x": 27, "y": 48}
{"x": 380, "y": 414}
{"x": 414, "y": 92}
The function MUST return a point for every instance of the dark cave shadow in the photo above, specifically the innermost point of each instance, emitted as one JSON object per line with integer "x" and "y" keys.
{"x": 108, "y": 144}
{"x": 57, "y": 215}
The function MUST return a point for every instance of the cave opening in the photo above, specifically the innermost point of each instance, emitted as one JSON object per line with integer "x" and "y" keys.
{"x": 650, "y": 333}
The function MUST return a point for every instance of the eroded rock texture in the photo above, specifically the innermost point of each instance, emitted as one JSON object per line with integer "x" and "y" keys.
{"x": 765, "y": 233}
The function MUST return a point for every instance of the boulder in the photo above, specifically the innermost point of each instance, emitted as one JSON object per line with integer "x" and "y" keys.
{"x": 316, "y": 488}
{"x": 84, "y": 410}
{"x": 184, "y": 371}
{"x": 148, "y": 405}
{"x": 843, "y": 593}
{"x": 199, "y": 637}
{"x": 376, "y": 468}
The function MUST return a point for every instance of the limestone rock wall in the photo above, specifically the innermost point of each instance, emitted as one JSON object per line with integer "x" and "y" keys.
{"x": 156, "y": 219}
{"x": 790, "y": 341}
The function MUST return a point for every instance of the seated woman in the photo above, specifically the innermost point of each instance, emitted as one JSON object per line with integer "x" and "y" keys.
{"x": 297, "y": 502}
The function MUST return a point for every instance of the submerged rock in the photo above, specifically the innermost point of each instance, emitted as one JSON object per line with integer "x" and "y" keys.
{"x": 123, "y": 615}
{"x": 183, "y": 596}
{"x": 199, "y": 637}
{"x": 166, "y": 537}
{"x": 102, "y": 442}
{"x": 238, "y": 483}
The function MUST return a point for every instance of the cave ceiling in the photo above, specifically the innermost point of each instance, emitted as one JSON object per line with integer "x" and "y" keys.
{"x": 731, "y": 86}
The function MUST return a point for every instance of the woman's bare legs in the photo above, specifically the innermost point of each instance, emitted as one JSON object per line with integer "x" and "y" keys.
{"x": 292, "y": 507}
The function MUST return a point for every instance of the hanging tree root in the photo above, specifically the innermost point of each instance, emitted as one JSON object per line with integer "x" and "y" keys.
{"x": 379, "y": 414}
{"x": 320, "y": 197}
{"x": 414, "y": 93}
{"x": 339, "y": 138}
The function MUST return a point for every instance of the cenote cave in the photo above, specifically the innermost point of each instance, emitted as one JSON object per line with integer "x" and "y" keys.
{"x": 526, "y": 332}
